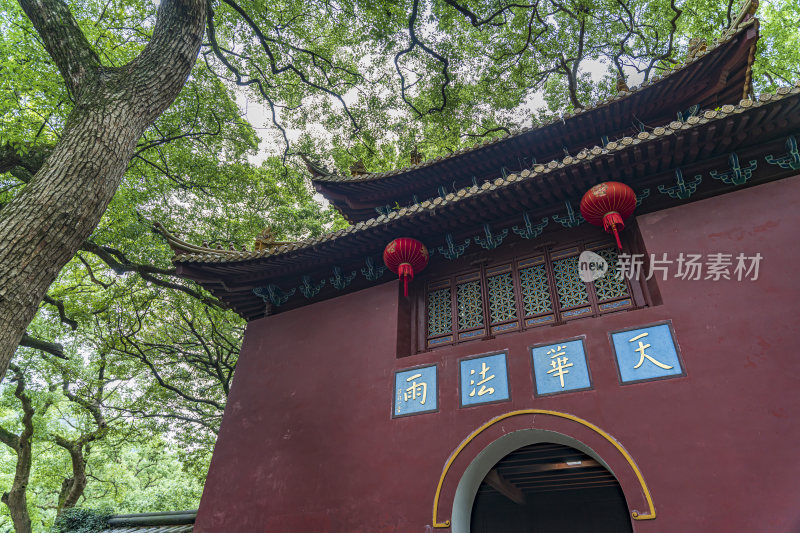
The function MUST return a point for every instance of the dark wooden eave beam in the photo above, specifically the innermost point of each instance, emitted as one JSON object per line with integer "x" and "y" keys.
{"x": 495, "y": 480}
{"x": 556, "y": 466}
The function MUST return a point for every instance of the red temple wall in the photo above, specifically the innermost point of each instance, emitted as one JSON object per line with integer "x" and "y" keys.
{"x": 308, "y": 442}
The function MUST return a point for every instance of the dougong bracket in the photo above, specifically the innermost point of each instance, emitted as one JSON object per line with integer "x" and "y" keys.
{"x": 372, "y": 271}
{"x": 644, "y": 193}
{"x": 490, "y": 241}
{"x": 273, "y": 294}
{"x": 308, "y": 289}
{"x": 339, "y": 280}
{"x": 530, "y": 230}
{"x": 681, "y": 190}
{"x": 789, "y": 160}
{"x": 572, "y": 220}
{"x": 736, "y": 175}
{"x": 451, "y": 250}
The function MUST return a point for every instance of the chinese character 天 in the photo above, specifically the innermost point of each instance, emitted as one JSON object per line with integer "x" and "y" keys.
{"x": 560, "y": 367}
{"x": 642, "y": 347}
{"x": 646, "y": 353}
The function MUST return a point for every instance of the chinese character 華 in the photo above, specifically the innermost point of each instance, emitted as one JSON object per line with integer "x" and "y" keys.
{"x": 559, "y": 363}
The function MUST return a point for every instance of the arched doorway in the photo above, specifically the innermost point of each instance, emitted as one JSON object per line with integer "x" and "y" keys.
{"x": 549, "y": 488}
{"x": 530, "y": 448}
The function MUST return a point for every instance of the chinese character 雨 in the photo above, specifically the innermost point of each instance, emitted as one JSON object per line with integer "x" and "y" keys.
{"x": 559, "y": 363}
{"x": 483, "y": 388}
{"x": 642, "y": 347}
{"x": 416, "y": 389}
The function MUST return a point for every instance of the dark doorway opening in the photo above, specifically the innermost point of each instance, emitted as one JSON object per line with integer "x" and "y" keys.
{"x": 549, "y": 488}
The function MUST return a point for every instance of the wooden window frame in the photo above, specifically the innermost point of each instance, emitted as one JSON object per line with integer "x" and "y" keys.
{"x": 482, "y": 266}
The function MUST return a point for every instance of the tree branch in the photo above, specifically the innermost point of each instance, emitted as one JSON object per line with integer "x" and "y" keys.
{"x": 118, "y": 262}
{"x": 62, "y": 315}
{"x": 64, "y": 41}
{"x": 173, "y": 48}
{"x": 52, "y": 348}
{"x": 414, "y": 42}
{"x": 30, "y": 161}
{"x": 476, "y": 21}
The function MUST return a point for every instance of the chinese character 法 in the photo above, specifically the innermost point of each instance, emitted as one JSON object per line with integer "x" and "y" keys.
{"x": 483, "y": 388}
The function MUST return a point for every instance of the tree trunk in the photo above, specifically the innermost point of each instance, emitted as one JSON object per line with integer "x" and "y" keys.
{"x": 44, "y": 225}
{"x": 17, "y": 499}
{"x": 72, "y": 488}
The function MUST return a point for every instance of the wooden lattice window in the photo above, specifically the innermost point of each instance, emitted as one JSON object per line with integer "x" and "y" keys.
{"x": 523, "y": 292}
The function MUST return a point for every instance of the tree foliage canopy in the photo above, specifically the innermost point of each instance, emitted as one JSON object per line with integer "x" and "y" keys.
{"x": 342, "y": 82}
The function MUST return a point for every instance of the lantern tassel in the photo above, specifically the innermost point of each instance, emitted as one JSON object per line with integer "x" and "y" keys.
{"x": 610, "y": 223}
{"x": 616, "y": 236}
{"x": 406, "y": 273}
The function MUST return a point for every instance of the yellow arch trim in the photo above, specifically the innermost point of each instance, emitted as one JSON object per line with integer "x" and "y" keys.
{"x": 635, "y": 514}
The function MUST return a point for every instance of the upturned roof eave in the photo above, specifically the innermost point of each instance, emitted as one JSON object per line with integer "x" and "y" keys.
{"x": 362, "y": 230}
{"x": 326, "y": 179}
{"x": 231, "y": 276}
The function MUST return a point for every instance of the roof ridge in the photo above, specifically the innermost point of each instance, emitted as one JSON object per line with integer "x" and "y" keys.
{"x": 678, "y": 67}
{"x": 181, "y": 247}
{"x": 532, "y": 173}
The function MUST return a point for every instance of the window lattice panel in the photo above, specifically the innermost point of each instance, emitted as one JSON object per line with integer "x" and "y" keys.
{"x": 502, "y": 303}
{"x": 470, "y": 305}
{"x": 609, "y": 287}
{"x": 571, "y": 290}
{"x": 535, "y": 290}
{"x": 439, "y": 319}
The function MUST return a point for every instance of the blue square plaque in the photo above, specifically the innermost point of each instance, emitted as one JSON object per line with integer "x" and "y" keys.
{"x": 484, "y": 379}
{"x": 646, "y": 353}
{"x": 415, "y": 391}
{"x": 560, "y": 367}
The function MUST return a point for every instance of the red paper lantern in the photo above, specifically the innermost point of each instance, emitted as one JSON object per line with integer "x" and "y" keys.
{"x": 405, "y": 257}
{"x": 609, "y": 204}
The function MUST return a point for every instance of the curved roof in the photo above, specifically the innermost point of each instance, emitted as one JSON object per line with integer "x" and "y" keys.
{"x": 719, "y": 75}
{"x": 700, "y": 143}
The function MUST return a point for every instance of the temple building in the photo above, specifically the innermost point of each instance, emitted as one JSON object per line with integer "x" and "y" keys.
{"x": 508, "y": 391}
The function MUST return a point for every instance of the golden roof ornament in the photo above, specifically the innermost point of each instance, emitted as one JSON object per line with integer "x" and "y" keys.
{"x": 266, "y": 241}
{"x": 416, "y": 157}
{"x": 697, "y": 47}
{"x": 621, "y": 85}
{"x": 358, "y": 168}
